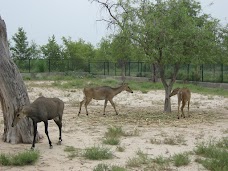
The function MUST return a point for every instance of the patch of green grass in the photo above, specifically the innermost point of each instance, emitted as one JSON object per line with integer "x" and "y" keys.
{"x": 69, "y": 149}
{"x": 72, "y": 152}
{"x": 114, "y": 132}
{"x": 204, "y": 90}
{"x": 81, "y": 82}
{"x": 162, "y": 161}
{"x": 222, "y": 143}
{"x": 140, "y": 159}
{"x": 101, "y": 167}
{"x": 97, "y": 153}
{"x": 20, "y": 159}
{"x": 111, "y": 141}
{"x": 215, "y": 155}
{"x": 105, "y": 167}
{"x": 181, "y": 159}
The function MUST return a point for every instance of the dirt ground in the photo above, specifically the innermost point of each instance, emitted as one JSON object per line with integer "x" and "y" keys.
{"x": 138, "y": 112}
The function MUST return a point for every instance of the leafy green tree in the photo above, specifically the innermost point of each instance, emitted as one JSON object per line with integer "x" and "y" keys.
{"x": 173, "y": 32}
{"x": 35, "y": 51}
{"x": 52, "y": 50}
{"x": 104, "y": 50}
{"x": 78, "y": 52}
{"x": 20, "y": 49}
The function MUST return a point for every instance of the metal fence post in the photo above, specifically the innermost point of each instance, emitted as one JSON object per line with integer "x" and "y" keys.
{"x": 29, "y": 66}
{"x": 188, "y": 68}
{"x": 115, "y": 69}
{"x": 222, "y": 73}
{"x": 202, "y": 72}
{"x": 108, "y": 67}
{"x": 89, "y": 66}
{"x": 104, "y": 68}
{"x": 49, "y": 65}
{"x": 129, "y": 65}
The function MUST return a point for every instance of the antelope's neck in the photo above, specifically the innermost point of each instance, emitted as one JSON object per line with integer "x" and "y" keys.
{"x": 118, "y": 90}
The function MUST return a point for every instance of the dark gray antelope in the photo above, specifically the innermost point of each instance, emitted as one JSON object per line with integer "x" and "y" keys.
{"x": 102, "y": 93}
{"x": 184, "y": 96}
{"x": 43, "y": 109}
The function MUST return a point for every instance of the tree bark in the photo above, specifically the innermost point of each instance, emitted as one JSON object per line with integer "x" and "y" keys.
{"x": 154, "y": 77}
{"x": 168, "y": 87}
{"x": 13, "y": 95}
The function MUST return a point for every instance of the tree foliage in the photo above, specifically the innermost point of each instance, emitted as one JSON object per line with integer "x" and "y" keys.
{"x": 21, "y": 48}
{"x": 52, "y": 50}
{"x": 170, "y": 32}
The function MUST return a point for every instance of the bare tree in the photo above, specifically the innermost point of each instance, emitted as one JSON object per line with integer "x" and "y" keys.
{"x": 13, "y": 95}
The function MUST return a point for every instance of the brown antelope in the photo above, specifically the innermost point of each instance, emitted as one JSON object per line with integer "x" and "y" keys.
{"x": 43, "y": 109}
{"x": 102, "y": 93}
{"x": 184, "y": 96}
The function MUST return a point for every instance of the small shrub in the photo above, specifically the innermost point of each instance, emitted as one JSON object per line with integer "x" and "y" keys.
{"x": 20, "y": 159}
{"x": 105, "y": 167}
{"x": 117, "y": 168}
{"x": 114, "y": 132}
{"x": 97, "y": 153}
{"x": 101, "y": 167}
{"x": 141, "y": 159}
{"x": 215, "y": 155}
{"x": 181, "y": 159}
{"x": 160, "y": 160}
{"x": 223, "y": 143}
{"x": 69, "y": 149}
{"x": 111, "y": 141}
{"x": 72, "y": 152}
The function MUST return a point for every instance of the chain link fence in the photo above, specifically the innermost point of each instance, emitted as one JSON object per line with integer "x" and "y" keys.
{"x": 217, "y": 73}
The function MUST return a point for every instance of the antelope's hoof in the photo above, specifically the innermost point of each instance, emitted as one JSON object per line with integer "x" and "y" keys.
{"x": 32, "y": 148}
{"x": 59, "y": 143}
{"x": 51, "y": 147}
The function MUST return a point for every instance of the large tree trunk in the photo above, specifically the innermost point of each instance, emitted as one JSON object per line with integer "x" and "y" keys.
{"x": 13, "y": 95}
{"x": 154, "y": 77}
{"x": 168, "y": 86}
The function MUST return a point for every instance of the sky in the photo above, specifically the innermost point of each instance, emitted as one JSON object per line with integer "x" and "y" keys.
{"x": 72, "y": 18}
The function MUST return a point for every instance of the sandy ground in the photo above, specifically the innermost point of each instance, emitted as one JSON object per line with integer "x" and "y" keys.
{"x": 139, "y": 112}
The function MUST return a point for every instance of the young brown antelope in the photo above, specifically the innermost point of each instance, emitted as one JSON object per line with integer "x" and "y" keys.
{"x": 183, "y": 95}
{"x": 102, "y": 93}
{"x": 43, "y": 109}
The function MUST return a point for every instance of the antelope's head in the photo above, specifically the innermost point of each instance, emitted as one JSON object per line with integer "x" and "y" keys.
{"x": 127, "y": 88}
{"x": 19, "y": 115}
{"x": 174, "y": 92}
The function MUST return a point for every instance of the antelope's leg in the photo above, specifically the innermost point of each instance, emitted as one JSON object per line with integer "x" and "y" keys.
{"x": 178, "y": 109}
{"x": 81, "y": 103}
{"x": 182, "y": 108}
{"x": 59, "y": 123}
{"x": 46, "y": 132}
{"x": 105, "y": 104}
{"x": 188, "y": 108}
{"x": 35, "y": 131}
{"x": 87, "y": 101}
{"x": 113, "y": 105}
